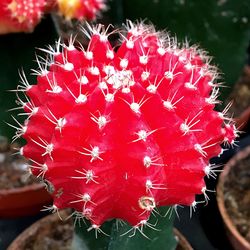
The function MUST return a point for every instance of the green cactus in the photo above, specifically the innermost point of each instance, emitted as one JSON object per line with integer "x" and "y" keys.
{"x": 159, "y": 238}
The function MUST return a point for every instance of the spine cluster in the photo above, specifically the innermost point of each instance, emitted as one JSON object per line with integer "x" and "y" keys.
{"x": 115, "y": 134}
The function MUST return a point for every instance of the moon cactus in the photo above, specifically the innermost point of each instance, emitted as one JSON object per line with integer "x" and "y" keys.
{"x": 116, "y": 133}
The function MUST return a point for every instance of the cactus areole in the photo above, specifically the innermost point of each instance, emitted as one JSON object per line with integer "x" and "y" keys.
{"x": 115, "y": 134}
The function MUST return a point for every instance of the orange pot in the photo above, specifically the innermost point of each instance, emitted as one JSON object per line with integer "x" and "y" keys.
{"x": 23, "y": 201}
{"x": 236, "y": 239}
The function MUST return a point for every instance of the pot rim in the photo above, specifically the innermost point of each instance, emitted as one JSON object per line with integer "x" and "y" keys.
{"x": 18, "y": 190}
{"x": 220, "y": 196}
{"x": 182, "y": 240}
{"x": 243, "y": 119}
{"x": 64, "y": 214}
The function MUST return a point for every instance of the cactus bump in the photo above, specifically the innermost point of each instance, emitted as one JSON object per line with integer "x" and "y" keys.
{"x": 116, "y": 133}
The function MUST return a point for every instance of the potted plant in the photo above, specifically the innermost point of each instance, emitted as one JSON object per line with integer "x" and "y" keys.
{"x": 123, "y": 133}
{"x": 233, "y": 199}
{"x": 19, "y": 195}
{"x": 53, "y": 233}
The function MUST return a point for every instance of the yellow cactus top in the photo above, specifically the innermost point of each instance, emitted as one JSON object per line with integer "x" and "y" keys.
{"x": 69, "y": 7}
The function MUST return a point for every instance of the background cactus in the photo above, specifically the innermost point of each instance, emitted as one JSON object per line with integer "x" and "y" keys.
{"x": 80, "y": 9}
{"x": 24, "y": 15}
{"x": 19, "y": 15}
{"x": 115, "y": 134}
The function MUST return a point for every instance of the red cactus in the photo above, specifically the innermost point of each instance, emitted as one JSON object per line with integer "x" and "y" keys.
{"x": 80, "y": 9}
{"x": 20, "y": 15}
{"x": 118, "y": 133}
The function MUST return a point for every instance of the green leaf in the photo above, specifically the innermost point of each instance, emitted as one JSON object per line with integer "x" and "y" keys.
{"x": 157, "y": 235}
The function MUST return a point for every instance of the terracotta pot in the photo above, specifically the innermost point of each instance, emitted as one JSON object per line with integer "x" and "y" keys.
{"x": 42, "y": 228}
{"x": 183, "y": 244}
{"x": 240, "y": 98}
{"x": 236, "y": 239}
{"x": 243, "y": 119}
{"x": 23, "y": 201}
{"x": 18, "y": 201}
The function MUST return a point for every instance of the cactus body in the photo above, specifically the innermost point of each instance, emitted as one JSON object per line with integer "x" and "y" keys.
{"x": 20, "y": 15}
{"x": 118, "y": 133}
{"x": 80, "y": 9}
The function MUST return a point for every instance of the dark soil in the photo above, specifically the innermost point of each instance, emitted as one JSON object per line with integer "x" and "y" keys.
{"x": 13, "y": 167}
{"x": 56, "y": 236}
{"x": 51, "y": 233}
{"x": 237, "y": 196}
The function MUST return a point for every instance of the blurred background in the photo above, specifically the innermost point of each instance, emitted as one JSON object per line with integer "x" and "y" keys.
{"x": 221, "y": 27}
